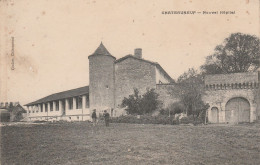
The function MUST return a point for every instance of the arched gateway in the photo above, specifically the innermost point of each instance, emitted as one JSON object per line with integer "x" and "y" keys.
{"x": 236, "y": 95}
{"x": 237, "y": 110}
{"x": 214, "y": 115}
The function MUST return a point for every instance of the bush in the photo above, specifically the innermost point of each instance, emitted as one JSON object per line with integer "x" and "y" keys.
{"x": 185, "y": 120}
{"x": 141, "y": 104}
{"x": 160, "y": 119}
{"x": 191, "y": 120}
{"x": 144, "y": 119}
{"x": 175, "y": 122}
{"x": 173, "y": 108}
{"x": 39, "y": 121}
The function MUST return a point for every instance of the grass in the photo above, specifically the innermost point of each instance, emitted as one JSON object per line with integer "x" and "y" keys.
{"x": 81, "y": 143}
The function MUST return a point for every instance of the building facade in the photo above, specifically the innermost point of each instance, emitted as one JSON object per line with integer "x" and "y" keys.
{"x": 11, "y": 111}
{"x": 71, "y": 105}
{"x": 232, "y": 98}
{"x": 110, "y": 80}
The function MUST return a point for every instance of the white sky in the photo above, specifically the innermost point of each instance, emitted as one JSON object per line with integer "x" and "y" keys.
{"x": 54, "y": 38}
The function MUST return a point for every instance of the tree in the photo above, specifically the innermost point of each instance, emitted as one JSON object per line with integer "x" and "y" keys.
{"x": 238, "y": 53}
{"x": 190, "y": 88}
{"x": 172, "y": 109}
{"x": 137, "y": 104}
{"x": 149, "y": 101}
{"x": 132, "y": 103}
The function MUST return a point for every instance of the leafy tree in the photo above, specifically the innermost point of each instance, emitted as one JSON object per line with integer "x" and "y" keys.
{"x": 132, "y": 103}
{"x": 176, "y": 107}
{"x": 238, "y": 53}
{"x": 190, "y": 88}
{"x": 137, "y": 104}
{"x": 149, "y": 101}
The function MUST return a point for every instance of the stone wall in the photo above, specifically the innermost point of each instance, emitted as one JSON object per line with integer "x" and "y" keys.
{"x": 160, "y": 77}
{"x": 132, "y": 73}
{"x": 101, "y": 82}
{"x": 233, "y": 78}
{"x": 221, "y": 88}
{"x": 219, "y": 99}
{"x": 166, "y": 95}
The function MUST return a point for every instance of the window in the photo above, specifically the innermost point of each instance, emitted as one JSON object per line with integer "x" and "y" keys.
{"x": 87, "y": 101}
{"x": 51, "y": 106}
{"x": 70, "y": 103}
{"x": 46, "y": 107}
{"x": 41, "y": 107}
{"x": 36, "y": 108}
{"x": 63, "y": 105}
{"x": 79, "y": 102}
{"x": 57, "y": 105}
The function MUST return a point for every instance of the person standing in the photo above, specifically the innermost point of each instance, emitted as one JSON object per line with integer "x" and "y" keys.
{"x": 94, "y": 117}
{"x": 106, "y": 117}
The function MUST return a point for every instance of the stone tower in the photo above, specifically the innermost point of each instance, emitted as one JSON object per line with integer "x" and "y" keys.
{"x": 101, "y": 79}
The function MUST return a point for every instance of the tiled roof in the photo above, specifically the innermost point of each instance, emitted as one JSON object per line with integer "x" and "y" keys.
{"x": 15, "y": 108}
{"x": 62, "y": 95}
{"x": 150, "y": 62}
{"x": 131, "y": 56}
{"x": 101, "y": 50}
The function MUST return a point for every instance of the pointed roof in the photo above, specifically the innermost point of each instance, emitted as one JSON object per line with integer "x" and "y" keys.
{"x": 101, "y": 50}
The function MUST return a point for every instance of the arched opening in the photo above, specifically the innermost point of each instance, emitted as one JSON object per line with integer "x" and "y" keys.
{"x": 237, "y": 110}
{"x": 214, "y": 115}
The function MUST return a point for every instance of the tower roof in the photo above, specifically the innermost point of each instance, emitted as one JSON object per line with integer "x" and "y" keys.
{"x": 101, "y": 50}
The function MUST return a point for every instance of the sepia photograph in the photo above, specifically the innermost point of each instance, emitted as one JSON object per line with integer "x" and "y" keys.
{"x": 118, "y": 82}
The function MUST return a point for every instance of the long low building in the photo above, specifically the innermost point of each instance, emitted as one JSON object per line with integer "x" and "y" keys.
{"x": 68, "y": 105}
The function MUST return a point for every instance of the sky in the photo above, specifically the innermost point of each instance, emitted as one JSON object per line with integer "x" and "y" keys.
{"x": 52, "y": 39}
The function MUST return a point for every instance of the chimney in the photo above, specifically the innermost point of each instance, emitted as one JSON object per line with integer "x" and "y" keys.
{"x": 138, "y": 52}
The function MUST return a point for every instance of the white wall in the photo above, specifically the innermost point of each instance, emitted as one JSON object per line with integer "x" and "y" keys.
{"x": 160, "y": 77}
{"x": 70, "y": 114}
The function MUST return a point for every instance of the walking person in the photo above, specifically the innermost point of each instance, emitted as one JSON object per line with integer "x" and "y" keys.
{"x": 94, "y": 117}
{"x": 106, "y": 117}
